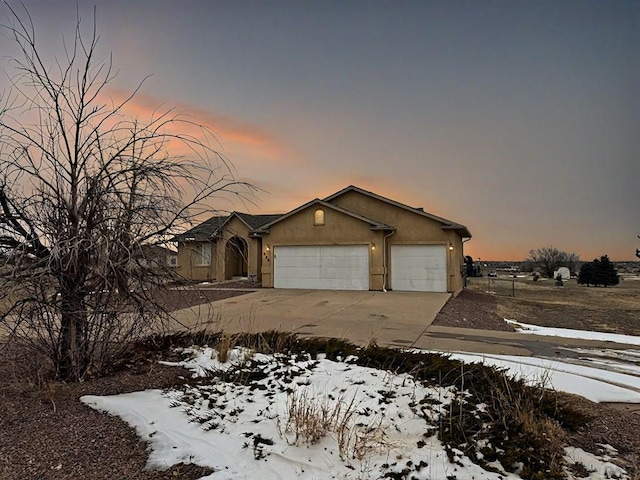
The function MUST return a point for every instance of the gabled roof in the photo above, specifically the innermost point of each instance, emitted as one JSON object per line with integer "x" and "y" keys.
{"x": 207, "y": 229}
{"x": 213, "y": 227}
{"x": 374, "y": 224}
{"x": 256, "y": 221}
{"x": 446, "y": 224}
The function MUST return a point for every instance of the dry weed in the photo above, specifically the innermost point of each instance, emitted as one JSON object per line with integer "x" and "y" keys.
{"x": 310, "y": 419}
{"x": 225, "y": 345}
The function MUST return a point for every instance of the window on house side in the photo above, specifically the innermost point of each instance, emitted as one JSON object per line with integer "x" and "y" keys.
{"x": 318, "y": 217}
{"x": 203, "y": 254}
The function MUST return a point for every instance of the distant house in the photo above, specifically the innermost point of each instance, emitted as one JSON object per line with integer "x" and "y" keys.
{"x": 160, "y": 256}
{"x": 352, "y": 240}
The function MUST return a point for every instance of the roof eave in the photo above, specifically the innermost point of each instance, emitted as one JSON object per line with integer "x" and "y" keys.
{"x": 461, "y": 229}
{"x": 197, "y": 237}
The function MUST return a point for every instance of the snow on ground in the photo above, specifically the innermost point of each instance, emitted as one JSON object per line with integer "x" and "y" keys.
{"x": 377, "y": 422}
{"x": 597, "y": 467}
{"x": 622, "y": 361}
{"x": 596, "y": 384}
{"x": 369, "y": 423}
{"x": 570, "y": 333}
{"x": 601, "y": 375}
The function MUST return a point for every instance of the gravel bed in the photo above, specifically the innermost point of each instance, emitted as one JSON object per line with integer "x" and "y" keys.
{"x": 472, "y": 310}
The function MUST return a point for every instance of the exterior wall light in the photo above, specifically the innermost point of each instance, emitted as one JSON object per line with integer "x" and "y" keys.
{"x": 450, "y": 246}
{"x": 373, "y": 245}
{"x": 268, "y": 249}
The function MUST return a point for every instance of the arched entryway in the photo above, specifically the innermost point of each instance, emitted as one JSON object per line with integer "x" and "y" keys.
{"x": 236, "y": 258}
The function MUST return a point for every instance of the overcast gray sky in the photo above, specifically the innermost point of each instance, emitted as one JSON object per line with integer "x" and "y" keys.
{"x": 520, "y": 120}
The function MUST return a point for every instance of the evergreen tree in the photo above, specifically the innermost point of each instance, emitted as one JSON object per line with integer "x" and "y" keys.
{"x": 608, "y": 272}
{"x": 601, "y": 271}
{"x": 585, "y": 277}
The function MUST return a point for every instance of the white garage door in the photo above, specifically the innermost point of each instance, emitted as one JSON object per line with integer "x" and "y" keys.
{"x": 419, "y": 268}
{"x": 341, "y": 267}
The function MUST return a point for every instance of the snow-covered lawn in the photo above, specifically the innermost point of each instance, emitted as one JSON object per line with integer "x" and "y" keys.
{"x": 287, "y": 416}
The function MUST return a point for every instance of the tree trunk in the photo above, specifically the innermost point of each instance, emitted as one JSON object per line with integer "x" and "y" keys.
{"x": 73, "y": 361}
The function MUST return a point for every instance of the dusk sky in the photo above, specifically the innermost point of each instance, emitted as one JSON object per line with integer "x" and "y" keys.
{"x": 518, "y": 119}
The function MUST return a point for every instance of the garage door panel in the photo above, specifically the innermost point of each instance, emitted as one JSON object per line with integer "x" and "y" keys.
{"x": 331, "y": 267}
{"x": 419, "y": 268}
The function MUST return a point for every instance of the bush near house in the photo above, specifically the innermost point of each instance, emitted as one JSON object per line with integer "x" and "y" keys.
{"x": 601, "y": 271}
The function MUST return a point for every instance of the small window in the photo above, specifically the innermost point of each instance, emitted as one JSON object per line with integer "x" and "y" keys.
{"x": 318, "y": 217}
{"x": 203, "y": 254}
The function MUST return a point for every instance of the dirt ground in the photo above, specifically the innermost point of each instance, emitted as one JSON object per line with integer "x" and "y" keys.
{"x": 176, "y": 299}
{"x": 612, "y": 310}
{"x": 46, "y": 433}
{"x": 472, "y": 309}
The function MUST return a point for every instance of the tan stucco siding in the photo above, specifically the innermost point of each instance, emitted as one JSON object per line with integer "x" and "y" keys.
{"x": 339, "y": 229}
{"x": 409, "y": 226}
{"x": 189, "y": 266}
{"x": 456, "y": 265}
{"x": 411, "y": 229}
{"x": 220, "y": 267}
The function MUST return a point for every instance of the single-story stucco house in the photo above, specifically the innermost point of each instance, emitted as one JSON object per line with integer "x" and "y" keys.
{"x": 352, "y": 240}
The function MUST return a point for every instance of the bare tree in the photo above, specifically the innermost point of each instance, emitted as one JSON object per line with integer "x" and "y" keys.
{"x": 549, "y": 259}
{"x": 83, "y": 190}
{"x": 573, "y": 263}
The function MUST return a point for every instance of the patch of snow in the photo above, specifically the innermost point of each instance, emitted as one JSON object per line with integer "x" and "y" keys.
{"x": 242, "y": 432}
{"x": 621, "y": 361}
{"x": 598, "y": 468}
{"x": 596, "y": 384}
{"x": 571, "y": 333}
{"x": 207, "y": 359}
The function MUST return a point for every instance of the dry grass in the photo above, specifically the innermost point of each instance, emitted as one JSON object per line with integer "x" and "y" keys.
{"x": 613, "y": 309}
{"x": 309, "y": 419}
{"x": 522, "y": 423}
{"x": 515, "y": 405}
{"x": 225, "y": 344}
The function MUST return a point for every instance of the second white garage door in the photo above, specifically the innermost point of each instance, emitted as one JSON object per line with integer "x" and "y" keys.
{"x": 419, "y": 268}
{"x": 334, "y": 267}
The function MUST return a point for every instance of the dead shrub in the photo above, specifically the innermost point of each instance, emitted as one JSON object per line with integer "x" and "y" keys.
{"x": 517, "y": 420}
{"x": 225, "y": 344}
{"x": 310, "y": 419}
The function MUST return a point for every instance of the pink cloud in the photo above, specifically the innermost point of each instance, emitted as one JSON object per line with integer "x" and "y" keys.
{"x": 229, "y": 134}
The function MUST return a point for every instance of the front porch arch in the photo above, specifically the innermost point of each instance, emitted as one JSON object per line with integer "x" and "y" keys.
{"x": 236, "y": 261}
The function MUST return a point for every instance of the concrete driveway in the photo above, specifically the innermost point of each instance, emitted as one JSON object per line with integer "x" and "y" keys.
{"x": 391, "y": 318}
{"x": 397, "y": 319}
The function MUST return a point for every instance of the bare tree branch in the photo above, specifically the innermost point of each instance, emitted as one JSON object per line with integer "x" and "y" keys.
{"x": 85, "y": 194}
